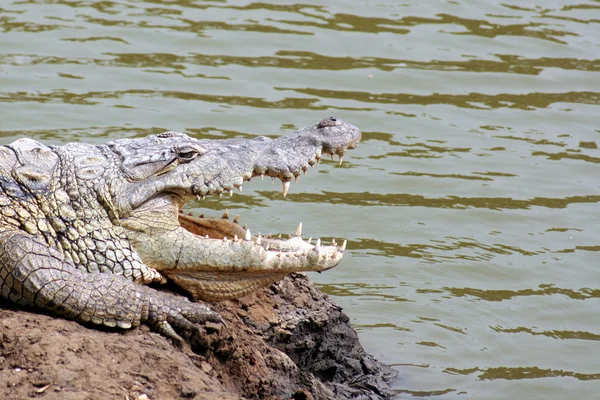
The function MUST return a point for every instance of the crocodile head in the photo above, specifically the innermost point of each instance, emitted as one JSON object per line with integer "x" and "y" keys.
{"x": 215, "y": 258}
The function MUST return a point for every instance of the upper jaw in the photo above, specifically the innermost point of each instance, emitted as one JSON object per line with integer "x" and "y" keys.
{"x": 224, "y": 165}
{"x": 227, "y": 164}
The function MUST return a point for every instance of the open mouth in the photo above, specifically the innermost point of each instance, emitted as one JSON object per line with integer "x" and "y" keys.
{"x": 217, "y": 258}
{"x": 226, "y": 229}
{"x": 247, "y": 262}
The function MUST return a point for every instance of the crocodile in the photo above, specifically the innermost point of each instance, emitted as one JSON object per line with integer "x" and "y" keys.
{"x": 84, "y": 228}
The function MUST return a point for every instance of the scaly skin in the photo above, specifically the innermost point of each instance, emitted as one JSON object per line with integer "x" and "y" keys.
{"x": 83, "y": 227}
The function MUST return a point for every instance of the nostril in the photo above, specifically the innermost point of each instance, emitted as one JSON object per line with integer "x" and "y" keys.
{"x": 331, "y": 121}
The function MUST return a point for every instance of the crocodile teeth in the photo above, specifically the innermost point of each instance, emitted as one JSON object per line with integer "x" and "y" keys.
{"x": 318, "y": 245}
{"x": 225, "y": 239}
{"x": 299, "y": 230}
{"x": 297, "y": 178}
{"x": 262, "y": 176}
{"x": 235, "y": 238}
{"x": 286, "y": 188}
{"x": 230, "y": 192}
{"x": 309, "y": 240}
{"x": 343, "y": 247}
{"x": 236, "y": 219}
{"x": 341, "y": 159}
{"x": 248, "y": 235}
{"x": 333, "y": 242}
{"x": 225, "y": 214}
{"x": 258, "y": 239}
{"x": 240, "y": 188}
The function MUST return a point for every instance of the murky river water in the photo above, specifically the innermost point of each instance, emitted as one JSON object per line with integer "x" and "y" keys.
{"x": 471, "y": 207}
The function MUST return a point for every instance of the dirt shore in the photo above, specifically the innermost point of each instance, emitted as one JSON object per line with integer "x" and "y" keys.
{"x": 289, "y": 341}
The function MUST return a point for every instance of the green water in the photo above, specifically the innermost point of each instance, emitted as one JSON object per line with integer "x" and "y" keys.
{"x": 471, "y": 206}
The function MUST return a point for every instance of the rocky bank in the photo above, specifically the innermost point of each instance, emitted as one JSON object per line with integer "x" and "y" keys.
{"x": 288, "y": 341}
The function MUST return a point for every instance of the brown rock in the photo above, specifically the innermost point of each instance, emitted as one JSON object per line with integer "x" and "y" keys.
{"x": 289, "y": 341}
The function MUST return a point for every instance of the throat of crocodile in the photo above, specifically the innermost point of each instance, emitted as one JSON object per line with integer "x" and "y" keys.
{"x": 217, "y": 286}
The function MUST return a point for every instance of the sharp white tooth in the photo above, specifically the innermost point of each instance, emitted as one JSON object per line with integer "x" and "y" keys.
{"x": 297, "y": 178}
{"x": 225, "y": 214}
{"x": 318, "y": 245}
{"x": 343, "y": 247}
{"x": 286, "y": 188}
{"x": 309, "y": 240}
{"x": 221, "y": 195}
{"x": 279, "y": 237}
{"x": 267, "y": 246}
{"x": 240, "y": 188}
{"x": 236, "y": 219}
{"x": 248, "y": 236}
{"x": 305, "y": 172}
{"x": 259, "y": 239}
{"x": 341, "y": 159}
{"x": 230, "y": 192}
{"x": 272, "y": 179}
{"x": 225, "y": 239}
{"x": 333, "y": 243}
{"x": 299, "y": 230}
{"x": 262, "y": 176}
{"x": 235, "y": 238}
{"x": 206, "y": 237}
{"x": 198, "y": 196}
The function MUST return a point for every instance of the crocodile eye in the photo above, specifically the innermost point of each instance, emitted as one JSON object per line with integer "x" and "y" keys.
{"x": 187, "y": 155}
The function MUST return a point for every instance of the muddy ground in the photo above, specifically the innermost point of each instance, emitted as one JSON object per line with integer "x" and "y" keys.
{"x": 289, "y": 341}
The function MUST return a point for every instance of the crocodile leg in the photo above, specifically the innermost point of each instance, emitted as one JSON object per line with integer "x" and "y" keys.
{"x": 34, "y": 274}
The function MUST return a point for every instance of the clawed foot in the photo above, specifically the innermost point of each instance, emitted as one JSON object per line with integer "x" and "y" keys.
{"x": 168, "y": 312}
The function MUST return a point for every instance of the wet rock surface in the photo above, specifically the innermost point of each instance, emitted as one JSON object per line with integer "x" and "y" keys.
{"x": 289, "y": 341}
